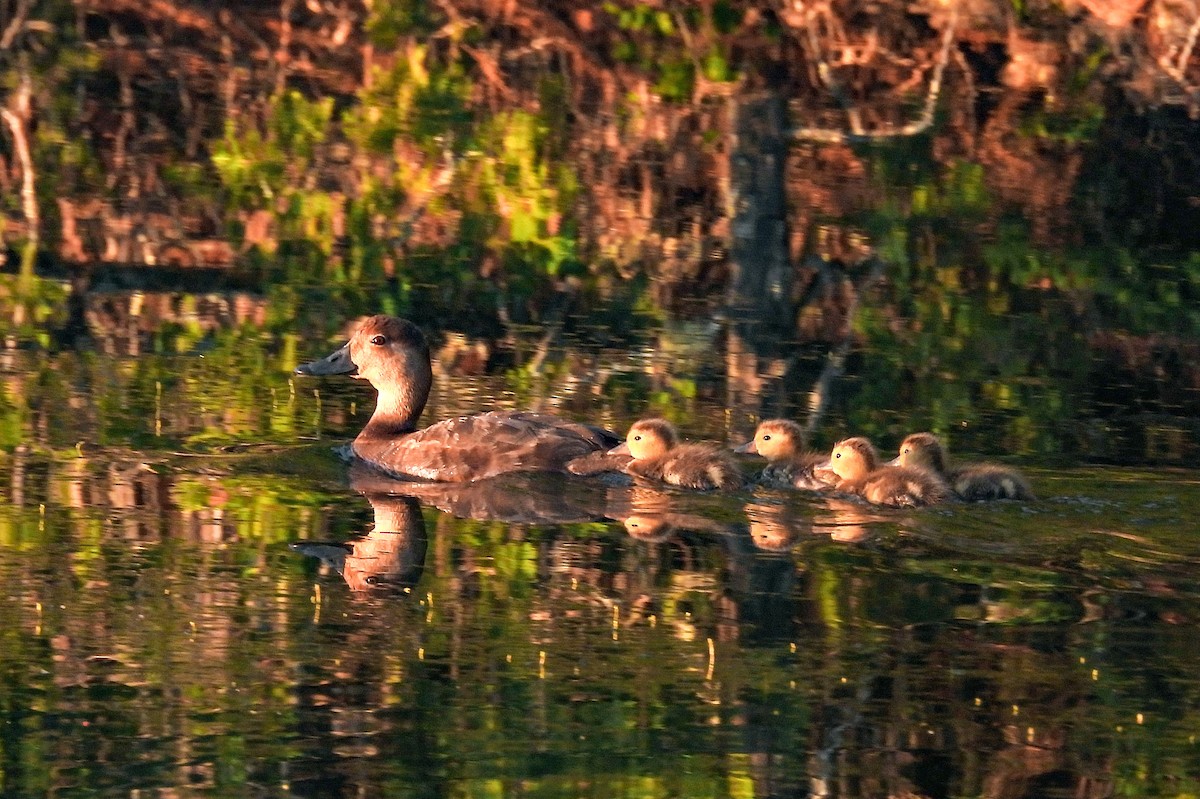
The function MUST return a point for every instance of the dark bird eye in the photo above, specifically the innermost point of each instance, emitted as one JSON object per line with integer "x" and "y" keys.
{"x": 838, "y": 455}
{"x": 378, "y": 341}
{"x": 766, "y": 438}
{"x": 637, "y": 438}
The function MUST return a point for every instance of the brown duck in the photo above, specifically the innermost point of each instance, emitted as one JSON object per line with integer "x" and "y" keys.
{"x": 858, "y": 471}
{"x": 789, "y": 464}
{"x": 657, "y": 454}
{"x": 973, "y": 482}
{"x": 393, "y": 355}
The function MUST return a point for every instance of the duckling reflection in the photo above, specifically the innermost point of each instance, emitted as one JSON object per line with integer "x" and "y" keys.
{"x": 847, "y": 520}
{"x": 391, "y": 556}
{"x": 774, "y": 527}
{"x": 649, "y": 514}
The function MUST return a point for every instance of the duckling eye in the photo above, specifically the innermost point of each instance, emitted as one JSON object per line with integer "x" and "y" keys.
{"x": 637, "y": 438}
{"x": 766, "y": 438}
{"x": 838, "y": 455}
{"x": 378, "y": 341}
{"x": 905, "y": 452}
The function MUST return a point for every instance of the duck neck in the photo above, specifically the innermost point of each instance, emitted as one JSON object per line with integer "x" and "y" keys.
{"x": 400, "y": 403}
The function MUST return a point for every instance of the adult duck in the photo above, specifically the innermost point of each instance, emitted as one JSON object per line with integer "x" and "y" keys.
{"x": 657, "y": 454}
{"x": 393, "y": 355}
{"x": 789, "y": 464}
{"x": 858, "y": 470}
{"x": 974, "y": 482}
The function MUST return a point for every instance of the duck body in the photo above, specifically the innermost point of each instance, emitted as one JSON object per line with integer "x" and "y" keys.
{"x": 789, "y": 464}
{"x": 469, "y": 448}
{"x": 856, "y": 464}
{"x": 656, "y": 454}
{"x": 973, "y": 482}
{"x": 393, "y": 355}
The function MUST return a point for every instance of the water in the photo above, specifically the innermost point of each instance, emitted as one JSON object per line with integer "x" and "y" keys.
{"x": 605, "y": 212}
{"x": 201, "y": 598}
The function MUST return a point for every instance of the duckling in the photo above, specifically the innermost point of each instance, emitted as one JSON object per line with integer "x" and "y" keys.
{"x": 856, "y": 464}
{"x": 973, "y": 482}
{"x": 393, "y": 355}
{"x": 789, "y": 465}
{"x": 658, "y": 455}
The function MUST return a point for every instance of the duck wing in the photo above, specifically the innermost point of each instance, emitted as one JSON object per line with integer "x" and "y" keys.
{"x": 469, "y": 448}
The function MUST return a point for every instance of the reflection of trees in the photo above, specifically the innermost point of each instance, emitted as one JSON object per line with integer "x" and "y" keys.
{"x": 156, "y": 602}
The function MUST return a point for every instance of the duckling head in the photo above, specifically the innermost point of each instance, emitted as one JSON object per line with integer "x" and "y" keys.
{"x": 922, "y": 451}
{"x": 775, "y": 440}
{"x": 852, "y": 458}
{"x": 648, "y": 438}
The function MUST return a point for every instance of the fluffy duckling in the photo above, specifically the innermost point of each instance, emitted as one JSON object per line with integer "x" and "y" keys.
{"x": 973, "y": 482}
{"x": 789, "y": 465}
{"x": 658, "y": 455}
{"x": 858, "y": 470}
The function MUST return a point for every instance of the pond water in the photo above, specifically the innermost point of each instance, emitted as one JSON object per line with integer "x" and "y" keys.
{"x": 200, "y": 598}
{"x": 980, "y": 219}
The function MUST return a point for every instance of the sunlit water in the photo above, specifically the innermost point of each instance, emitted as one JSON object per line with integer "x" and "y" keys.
{"x": 201, "y": 599}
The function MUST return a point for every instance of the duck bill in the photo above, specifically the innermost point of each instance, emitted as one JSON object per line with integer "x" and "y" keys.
{"x": 747, "y": 449}
{"x": 894, "y": 462}
{"x": 620, "y": 449}
{"x": 335, "y": 363}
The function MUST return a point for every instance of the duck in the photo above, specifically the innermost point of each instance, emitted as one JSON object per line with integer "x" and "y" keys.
{"x": 392, "y": 354}
{"x": 856, "y": 464}
{"x": 657, "y": 454}
{"x": 973, "y": 482}
{"x": 789, "y": 464}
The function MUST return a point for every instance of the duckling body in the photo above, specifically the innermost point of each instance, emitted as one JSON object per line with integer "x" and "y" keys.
{"x": 789, "y": 464}
{"x": 856, "y": 464}
{"x": 973, "y": 482}
{"x": 393, "y": 355}
{"x": 658, "y": 455}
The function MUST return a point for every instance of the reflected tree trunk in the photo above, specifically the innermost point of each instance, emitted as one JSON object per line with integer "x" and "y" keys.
{"x": 758, "y": 302}
{"x": 17, "y": 115}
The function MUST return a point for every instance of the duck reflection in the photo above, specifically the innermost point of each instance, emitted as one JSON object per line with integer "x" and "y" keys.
{"x": 521, "y": 497}
{"x": 391, "y": 556}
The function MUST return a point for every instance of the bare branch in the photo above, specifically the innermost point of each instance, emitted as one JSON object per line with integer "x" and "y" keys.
{"x": 20, "y": 15}
{"x": 856, "y": 130}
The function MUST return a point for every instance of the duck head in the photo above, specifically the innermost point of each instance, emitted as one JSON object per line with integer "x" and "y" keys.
{"x": 648, "y": 438}
{"x": 851, "y": 459}
{"x": 393, "y": 355}
{"x": 922, "y": 451}
{"x": 775, "y": 440}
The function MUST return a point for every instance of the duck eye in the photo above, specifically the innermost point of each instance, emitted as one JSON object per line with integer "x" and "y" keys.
{"x": 378, "y": 341}
{"x": 766, "y": 438}
{"x": 637, "y": 438}
{"x": 838, "y": 455}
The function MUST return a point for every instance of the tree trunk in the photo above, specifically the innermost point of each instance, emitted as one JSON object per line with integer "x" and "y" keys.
{"x": 759, "y": 291}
